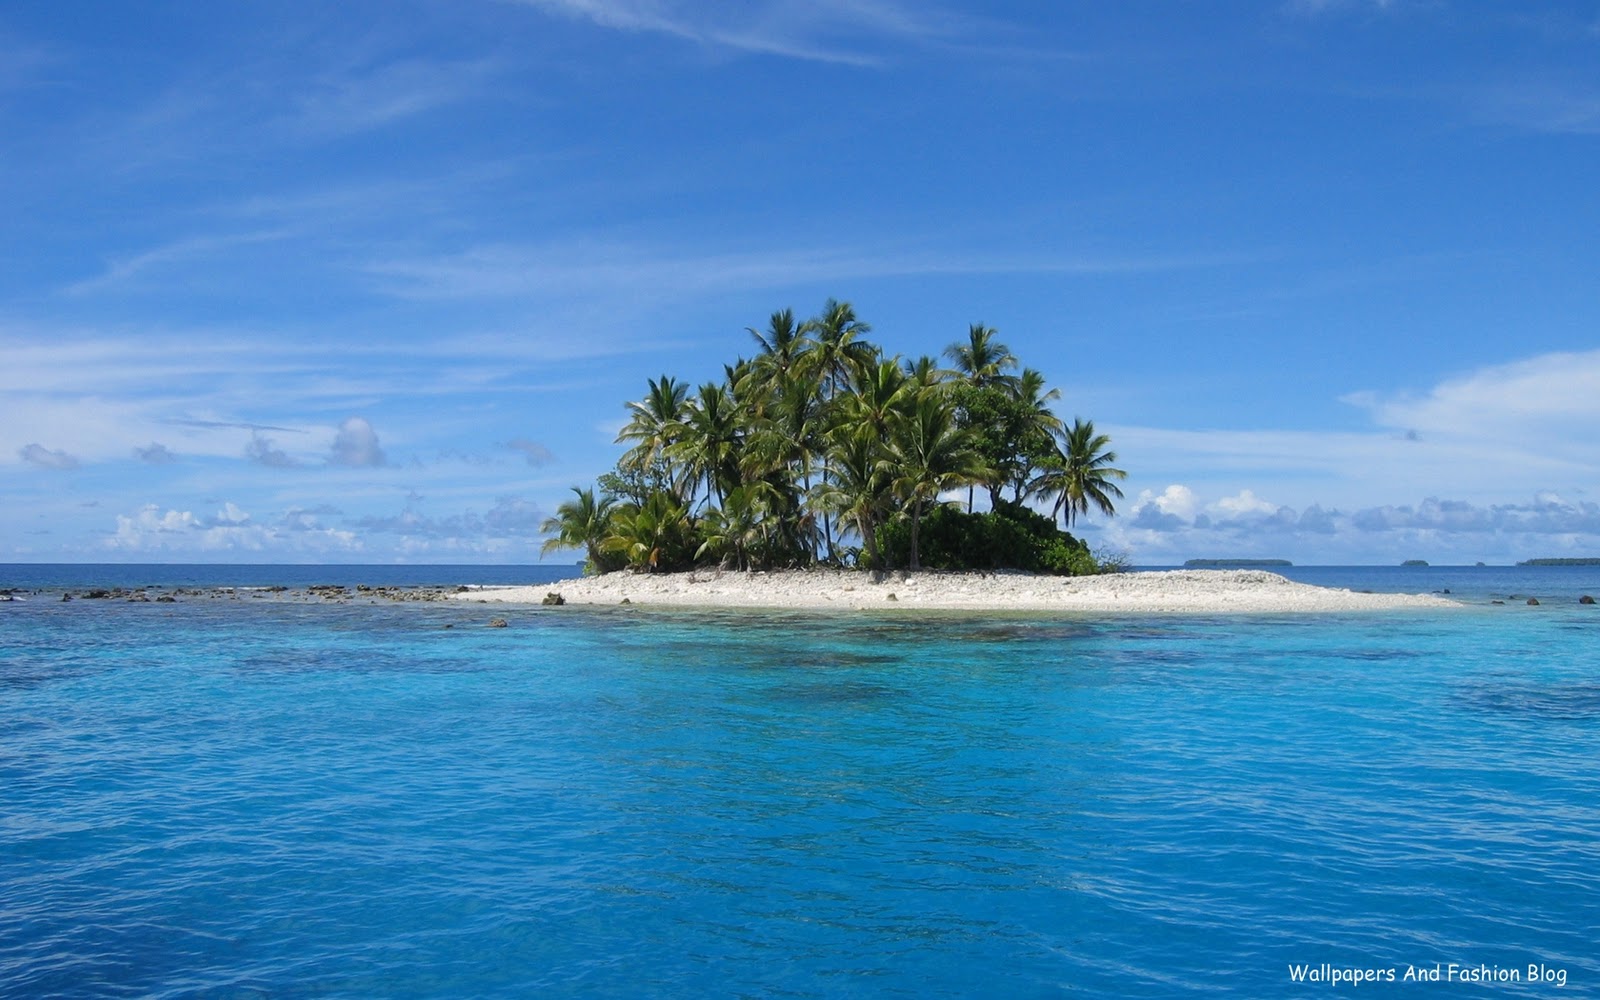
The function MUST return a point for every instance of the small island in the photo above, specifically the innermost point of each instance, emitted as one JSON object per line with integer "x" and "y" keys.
{"x": 1585, "y": 561}
{"x": 1415, "y": 562}
{"x": 823, "y": 474}
{"x": 1235, "y": 563}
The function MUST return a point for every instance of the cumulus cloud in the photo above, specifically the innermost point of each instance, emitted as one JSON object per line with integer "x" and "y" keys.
{"x": 261, "y": 452}
{"x": 156, "y": 454}
{"x": 230, "y": 516}
{"x": 44, "y": 458}
{"x": 356, "y": 445}
{"x": 535, "y": 453}
{"x": 231, "y": 529}
{"x": 1245, "y": 504}
{"x": 151, "y": 520}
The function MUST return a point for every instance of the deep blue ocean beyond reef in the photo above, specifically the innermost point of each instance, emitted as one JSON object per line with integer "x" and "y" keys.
{"x": 266, "y": 798}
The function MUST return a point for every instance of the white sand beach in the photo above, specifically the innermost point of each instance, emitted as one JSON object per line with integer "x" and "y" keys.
{"x": 1192, "y": 591}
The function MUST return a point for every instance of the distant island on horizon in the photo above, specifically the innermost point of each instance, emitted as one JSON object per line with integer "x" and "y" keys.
{"x": 1585, "y": 561}
{"x": 1234, "y": 563}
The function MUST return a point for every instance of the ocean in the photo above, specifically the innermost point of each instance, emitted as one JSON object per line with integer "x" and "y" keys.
{"x": 253, "y": 797}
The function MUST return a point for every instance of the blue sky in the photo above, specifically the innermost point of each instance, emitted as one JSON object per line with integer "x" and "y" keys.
{"x": 371, "y": 281}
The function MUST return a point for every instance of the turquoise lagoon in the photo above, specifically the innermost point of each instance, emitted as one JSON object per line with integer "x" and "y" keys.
{"x": 254, "y": 797}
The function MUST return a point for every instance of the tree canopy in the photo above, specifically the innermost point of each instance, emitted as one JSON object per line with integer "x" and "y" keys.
{"x": 822, "y": 450}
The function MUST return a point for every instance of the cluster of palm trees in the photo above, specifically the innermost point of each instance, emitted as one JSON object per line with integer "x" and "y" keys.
{"x": 818, "y": 441}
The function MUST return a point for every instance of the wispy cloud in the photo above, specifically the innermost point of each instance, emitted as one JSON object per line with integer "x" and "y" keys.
{"x": 1525, "y": 423}
{"x": 351, "y": 99}
{"x": 1543, "y": 106}
{"x": 203, "y": 249}
{"x": 820, "y": 30}
{"x": 594, "y": 267}
{"x": 1550, "y": 399}
{"x": 1314, "y": 7}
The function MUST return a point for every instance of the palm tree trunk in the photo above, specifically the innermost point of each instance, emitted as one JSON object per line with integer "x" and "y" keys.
{"x": 869, "y": 537}
{"x": 916, "y": 524}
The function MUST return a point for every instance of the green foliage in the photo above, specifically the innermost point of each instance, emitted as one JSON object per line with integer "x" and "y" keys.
{"x": 583, "y": 523}
{"x": 1010, "y": 536}
{"x": 820, "y": 446}
{"x": 654, "y": 537}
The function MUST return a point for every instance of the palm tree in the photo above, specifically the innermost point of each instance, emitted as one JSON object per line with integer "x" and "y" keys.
{"x": 926, "y": 373}
{"x": 655, "y": 424}
{"x": 708, "y": 442}
{"x": 1080, "y": 473}
{"x": 783, "y": 346}
{"x": 879, "y": 392}
{"x": 1034, "y": 430}
{"x": 735, "y": 527}
{"x": 931, "y": 454}
{"x": 838, "y": 348}
{"x": 584, "y": 521}
{"x": 982, "y": 359}
{"x": 837, "y": 353}
{"x": 650, "y": 535}
{"x": 781, "y": 449}
{"x": 861, "y": 490}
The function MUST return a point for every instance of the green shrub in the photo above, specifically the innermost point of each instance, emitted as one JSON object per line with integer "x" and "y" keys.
{"x": 1011, "y": 536}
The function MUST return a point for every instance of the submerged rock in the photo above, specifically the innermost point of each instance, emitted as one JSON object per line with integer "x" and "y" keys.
{"x": 1585, "y": 599}
{"x": 497, "y": 623}
{"x": 1533, "y": 600}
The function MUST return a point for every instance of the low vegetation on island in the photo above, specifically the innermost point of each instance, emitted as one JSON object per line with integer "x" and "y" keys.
{"x": 820, "y": 450}
{"x": 1561, "y": 561}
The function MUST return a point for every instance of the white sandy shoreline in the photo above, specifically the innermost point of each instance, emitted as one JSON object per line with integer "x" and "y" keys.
{"x": 1185, "y": 591}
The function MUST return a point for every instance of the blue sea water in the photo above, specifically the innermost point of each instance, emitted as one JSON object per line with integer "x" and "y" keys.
{"x": 265, "y": 798}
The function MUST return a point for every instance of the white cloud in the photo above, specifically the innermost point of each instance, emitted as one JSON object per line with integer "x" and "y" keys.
{"x": 1521, "y": 425}
{"x": 1245, "y": 503}
{"x": 151, "y": 529}
{"x": 356, "y": 445}
{"x": 1551, "y": 392}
